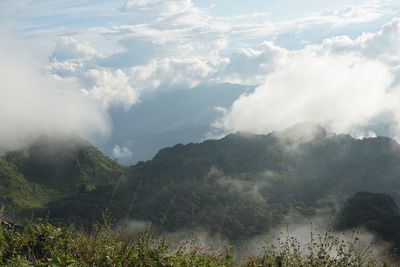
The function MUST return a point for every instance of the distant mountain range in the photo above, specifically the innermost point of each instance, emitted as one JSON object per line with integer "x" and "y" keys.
{"x": 164, "y": 119}
{"x": 239, "y": 186}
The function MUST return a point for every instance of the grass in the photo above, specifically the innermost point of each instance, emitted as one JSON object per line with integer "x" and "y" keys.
{"x": 42, "y": 244}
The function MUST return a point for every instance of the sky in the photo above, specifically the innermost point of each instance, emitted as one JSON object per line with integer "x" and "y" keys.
{"x": 89, "y": 63}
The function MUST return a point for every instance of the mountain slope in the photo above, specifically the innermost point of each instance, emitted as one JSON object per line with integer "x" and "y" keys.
{"x": 239, "y": 186}
{"x": 51, "y": 168}
{"x": 375, "y": 212}
{"x": 243, "y": 185}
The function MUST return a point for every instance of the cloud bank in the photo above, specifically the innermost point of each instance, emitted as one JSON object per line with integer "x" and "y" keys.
{"x": 346, "y": 85}
{"x": 340, "y": 92}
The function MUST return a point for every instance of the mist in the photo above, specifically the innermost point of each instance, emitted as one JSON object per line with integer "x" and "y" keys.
{"x": 308, "y": 234}
{"x": 34, "y": 104}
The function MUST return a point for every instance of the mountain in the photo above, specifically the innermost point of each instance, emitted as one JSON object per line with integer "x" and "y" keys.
{"x": 51, "y": 168}
{"x": 243, "y": 184}
{"x": 238, "y": 187}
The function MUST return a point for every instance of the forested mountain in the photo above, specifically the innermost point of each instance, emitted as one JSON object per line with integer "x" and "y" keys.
{"x": 375, "y": 212}
{"x": 239, "y": 186}
{"x": 51, "y": 168}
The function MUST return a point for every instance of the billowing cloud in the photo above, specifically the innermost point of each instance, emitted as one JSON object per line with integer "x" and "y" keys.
{"x": 247, "y": 65}
{"x": 342, "y": 92}
{"x": 172, "y": 73}
{"x": 347, "y": 85}
{"x": 383, "y": 45}
{"x": 69, "y": 48}
{"x": 34, "y": 104}
{"x": 112, "y": 88}
{"x": 123, "y": 87}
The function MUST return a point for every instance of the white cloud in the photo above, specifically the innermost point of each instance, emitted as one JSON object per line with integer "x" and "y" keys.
{"x": 67, "y": 69}
{"x": 353, "y": 14}
{"x": 348, "y": 85}
{"x": 68, "y": 48}
{"x": 341, "y": 17}
{"x": 172, "y": 73}
{"x": 160, "y": 8}
{"x": 121, "y": 152}
{"x": 115, "y": 86}
{"x": 173, "y": 22}
{"x": 175, "y": 45}
{"x": 123, "y": 87}
{"x": 182, "y": 20}
{"x": 383, "y": 45}
{"x": 250, "y": 66}
{"x": 112, "y": 88}
{"x": 34, "y": 104}
{"x": 342, "y": 92}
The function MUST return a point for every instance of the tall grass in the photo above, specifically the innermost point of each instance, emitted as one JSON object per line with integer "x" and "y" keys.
{"x": 42, "y": 244}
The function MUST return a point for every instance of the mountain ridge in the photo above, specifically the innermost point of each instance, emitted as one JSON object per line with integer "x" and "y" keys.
{"x": 239, "y": 186}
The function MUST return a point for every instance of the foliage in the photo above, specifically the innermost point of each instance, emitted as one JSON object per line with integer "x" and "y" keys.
{"x": 326, "y": 249}
{"x": 50, "y": 169}
{"x": 373, "y": 211}
{"x": 42, "y": 244}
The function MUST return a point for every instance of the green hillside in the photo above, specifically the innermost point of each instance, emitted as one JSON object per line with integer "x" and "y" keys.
{"x": 52, "y": 168}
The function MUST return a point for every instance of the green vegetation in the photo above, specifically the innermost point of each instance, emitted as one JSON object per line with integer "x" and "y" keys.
{"x": 41, "y": 244}
{"x": 50, "y": 169}
{"x": 375, "y": 212}
{"x": 18, "y": 193}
